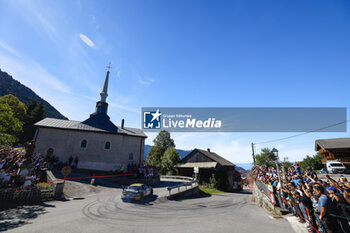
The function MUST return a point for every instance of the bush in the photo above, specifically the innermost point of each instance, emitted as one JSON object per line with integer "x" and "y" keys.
{"x": 213, "y": 182}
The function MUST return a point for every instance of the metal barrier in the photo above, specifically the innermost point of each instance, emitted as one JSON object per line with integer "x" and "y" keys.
{"x": 178, "y": 187}
{"x": 177, "y": 178}
{"x": 189, "y": 182}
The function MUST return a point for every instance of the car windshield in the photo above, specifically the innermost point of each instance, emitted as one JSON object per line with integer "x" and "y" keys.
{"x": 336, "y": 165}
{"x": 134, "y": 188}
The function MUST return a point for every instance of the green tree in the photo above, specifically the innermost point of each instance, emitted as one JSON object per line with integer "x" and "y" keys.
{"x": 312, "y": 161}
{"x": 266, "y": 157}
{"x": 168, "y": 162}
{"x": 10, "y": 126}
{"x": 318, "y": 161}
{"x": 18, "y": 108}
{"x": 35, "y": 113}
{"x": 162, "y": 142}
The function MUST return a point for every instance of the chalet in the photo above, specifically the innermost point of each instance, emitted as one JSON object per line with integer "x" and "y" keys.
{"x": 210, "y": 163}
{"x": 334, "y": 149}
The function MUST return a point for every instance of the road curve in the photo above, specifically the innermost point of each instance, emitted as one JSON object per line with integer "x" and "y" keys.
{"x": 105, "y": 212}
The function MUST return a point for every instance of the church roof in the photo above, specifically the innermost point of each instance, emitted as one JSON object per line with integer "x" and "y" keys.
{"x": 77, "y": 125}
{"x": 101, "y": 121}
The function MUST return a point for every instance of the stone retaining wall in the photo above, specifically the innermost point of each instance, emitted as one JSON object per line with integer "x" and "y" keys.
{"x": 263, "y": 200}
{"x": 56, "y": 185}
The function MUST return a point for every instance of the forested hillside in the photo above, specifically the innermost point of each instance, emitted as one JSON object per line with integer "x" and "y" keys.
{"x": 9, "y": 85}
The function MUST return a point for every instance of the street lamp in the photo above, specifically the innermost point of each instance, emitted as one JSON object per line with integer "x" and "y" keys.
{"x": 275, "y": 152}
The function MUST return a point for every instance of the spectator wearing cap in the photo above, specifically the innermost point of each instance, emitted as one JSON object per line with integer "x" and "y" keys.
{"x": 326, "y": 210}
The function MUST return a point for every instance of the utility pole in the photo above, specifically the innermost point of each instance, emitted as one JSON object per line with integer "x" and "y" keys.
{"x": 253, "y": 153}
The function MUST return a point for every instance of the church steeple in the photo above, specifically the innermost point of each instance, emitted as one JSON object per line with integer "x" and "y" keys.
{"x": 102, "y": 105}
{"x": 99, "y": 119}
{"x": 105, "y": 86}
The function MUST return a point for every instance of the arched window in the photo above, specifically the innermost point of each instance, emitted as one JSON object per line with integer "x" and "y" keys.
{"x": 83, "y": 143}
{"x": 107, "y": 145}
{"x": 131, "y": 156}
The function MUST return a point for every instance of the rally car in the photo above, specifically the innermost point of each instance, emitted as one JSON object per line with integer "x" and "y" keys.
{"x": 136, "y": 192}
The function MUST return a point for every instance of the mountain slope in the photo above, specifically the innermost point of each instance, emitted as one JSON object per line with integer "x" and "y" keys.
{"x": 182, "y": 153}
{"x": 9, "y": 85}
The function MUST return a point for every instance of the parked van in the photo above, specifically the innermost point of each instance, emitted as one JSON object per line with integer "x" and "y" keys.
{"x": 334, "y": 166}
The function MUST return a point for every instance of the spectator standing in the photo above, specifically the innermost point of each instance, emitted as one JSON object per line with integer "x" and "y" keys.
{"x": 325, "y": 208}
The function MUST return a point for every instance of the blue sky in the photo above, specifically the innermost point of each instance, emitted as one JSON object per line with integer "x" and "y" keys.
{"x": 183, "y": 54}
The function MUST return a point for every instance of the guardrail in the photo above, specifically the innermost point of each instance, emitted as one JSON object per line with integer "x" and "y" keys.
{"x": 178, "y": 187}
{"x": 178, "y": 178}
{"x": 190, "y": 182}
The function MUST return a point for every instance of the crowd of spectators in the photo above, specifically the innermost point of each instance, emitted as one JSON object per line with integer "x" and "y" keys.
{"x": 22, "y": 171}
{"x": 323, "y": 205}
{"x": 145, "y": 171}
{"x": 17, "y": 170}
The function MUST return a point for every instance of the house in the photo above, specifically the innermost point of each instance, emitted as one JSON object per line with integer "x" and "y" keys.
{"x": 334, "y": 149}
{"x": 96, "y": 143}
{"x": 210, "y": 163}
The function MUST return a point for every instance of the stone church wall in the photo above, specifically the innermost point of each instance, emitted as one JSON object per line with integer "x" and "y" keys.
{"x": 65, "y": 143}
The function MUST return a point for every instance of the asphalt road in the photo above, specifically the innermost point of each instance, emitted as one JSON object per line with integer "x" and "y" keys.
{"x": 104, "y": 211}
{"x": 333, "y": 176}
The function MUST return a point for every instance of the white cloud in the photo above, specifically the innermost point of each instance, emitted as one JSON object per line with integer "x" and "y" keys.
{"x": 34, "y": 76}
{"x": 87, "y": 40}
{"x": 134, "y": 110}
{"x": 146, "y": 81}
{"x": 30, "y": 72}
{"x": 10, "y": 50}
{"x": 38, "y": 15}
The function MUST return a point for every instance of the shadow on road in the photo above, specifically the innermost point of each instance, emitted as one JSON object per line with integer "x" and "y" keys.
{"x": 20, "y": 215}
{"x": 145, "y": 201}
{"x": 245, "y": 191}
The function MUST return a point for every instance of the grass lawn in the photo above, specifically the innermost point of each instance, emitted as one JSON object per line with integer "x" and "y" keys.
{"x": 209, "y": 191}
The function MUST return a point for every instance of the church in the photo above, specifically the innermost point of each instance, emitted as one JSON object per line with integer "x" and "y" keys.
{"x": 96, "y": 142}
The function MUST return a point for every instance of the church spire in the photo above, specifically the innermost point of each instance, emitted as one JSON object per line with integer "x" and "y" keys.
{"x": 102, "y": 105}
{"x": 104, "y": 94}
